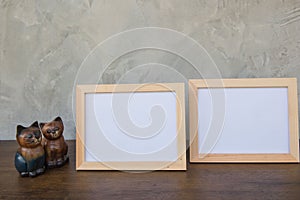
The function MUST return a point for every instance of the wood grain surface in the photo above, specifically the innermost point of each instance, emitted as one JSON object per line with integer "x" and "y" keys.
{"x": 200, "y": 181}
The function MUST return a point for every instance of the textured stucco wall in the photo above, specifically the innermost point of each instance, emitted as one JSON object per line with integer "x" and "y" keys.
{"x": 43, "y": 43}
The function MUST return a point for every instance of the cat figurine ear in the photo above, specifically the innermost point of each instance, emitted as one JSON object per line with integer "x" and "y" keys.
{"x": 42, "y": 125}
{"x": 57, "y": 119}
{"x": 20, "y": 128}
{"x": 35, "y": 124}
{"x": 30, "y": 156}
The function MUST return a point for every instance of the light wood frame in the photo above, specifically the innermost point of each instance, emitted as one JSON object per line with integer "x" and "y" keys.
{"x": 289, "y": 83}
{"x": 82, "y": 90}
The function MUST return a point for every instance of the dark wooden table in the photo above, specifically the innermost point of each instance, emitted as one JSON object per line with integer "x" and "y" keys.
{"x": 201, "y": 181}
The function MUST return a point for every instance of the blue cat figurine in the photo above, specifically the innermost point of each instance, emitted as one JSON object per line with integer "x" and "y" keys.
{"x": 30, "y": 156}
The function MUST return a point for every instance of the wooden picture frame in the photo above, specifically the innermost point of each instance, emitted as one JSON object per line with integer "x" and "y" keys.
{"x": 106, "y": 147}
{"x": 260, "y": 120}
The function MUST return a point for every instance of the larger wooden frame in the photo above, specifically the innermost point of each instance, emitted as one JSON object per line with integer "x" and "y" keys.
{"x": 289, "y": 83}
{"x": 82, "y": 90}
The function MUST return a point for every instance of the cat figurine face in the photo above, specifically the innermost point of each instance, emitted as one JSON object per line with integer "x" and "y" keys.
{"x": 29, "y": 137}
{"x": 52, "y": 130}
{"x": 30, "y": 156}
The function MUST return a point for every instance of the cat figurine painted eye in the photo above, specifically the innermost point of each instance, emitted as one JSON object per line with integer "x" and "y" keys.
{"x": 56, "y": 148}
{"x": 30, "y": 156}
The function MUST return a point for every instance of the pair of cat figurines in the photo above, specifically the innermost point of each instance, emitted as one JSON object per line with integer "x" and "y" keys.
{"x": 35, "y": 152}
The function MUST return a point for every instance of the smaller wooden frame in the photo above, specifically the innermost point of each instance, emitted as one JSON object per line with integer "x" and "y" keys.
{"x": 175, "y": 88}
{"x": 292, "y": 156}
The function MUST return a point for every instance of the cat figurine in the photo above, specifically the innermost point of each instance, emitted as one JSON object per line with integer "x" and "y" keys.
{"x": 56, "y": 148}
{"x": 30, "y": 156}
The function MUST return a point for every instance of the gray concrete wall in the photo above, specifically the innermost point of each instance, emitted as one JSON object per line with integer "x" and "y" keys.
{"x": 43, "y": 43}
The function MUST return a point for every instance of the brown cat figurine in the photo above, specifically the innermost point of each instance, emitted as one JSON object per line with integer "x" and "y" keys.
{"x": 30, "y": 156}
{"x": 54, "y": 143}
